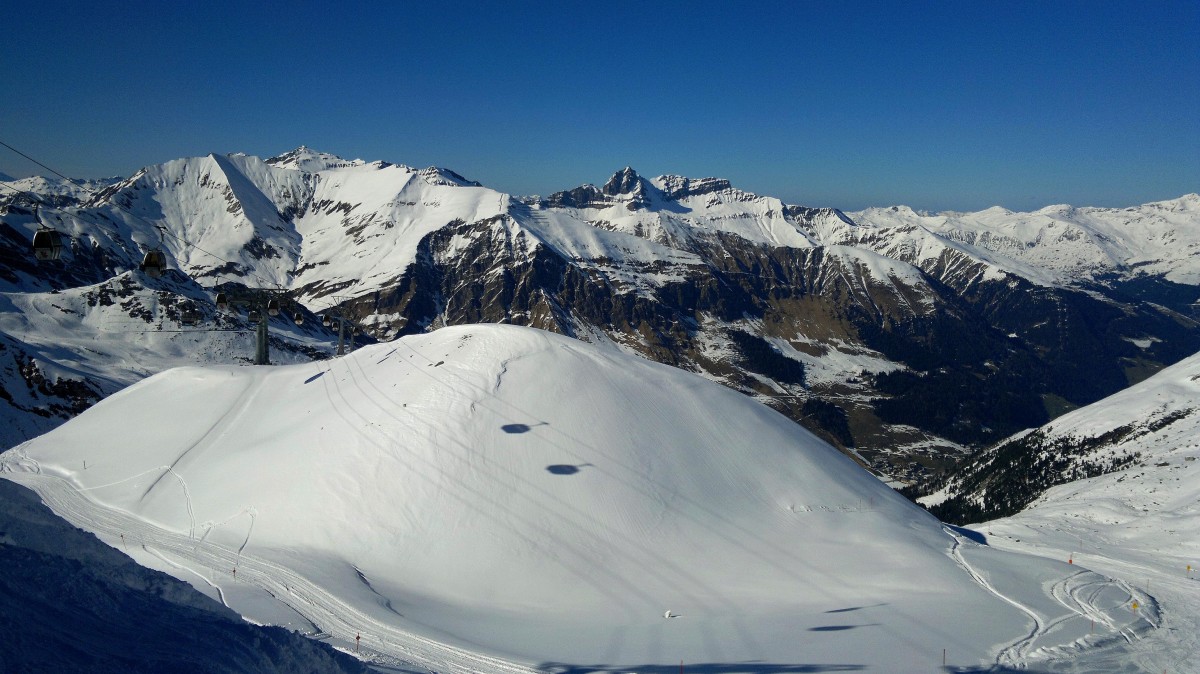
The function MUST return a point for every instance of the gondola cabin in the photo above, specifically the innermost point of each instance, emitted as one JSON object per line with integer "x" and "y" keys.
{"x": 189, "y": 315}
{"x": 47, "y": 244}
{"x": 155, "y": 263}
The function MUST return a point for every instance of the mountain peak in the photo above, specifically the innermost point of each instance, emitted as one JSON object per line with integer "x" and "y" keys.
{"x": 625, "y": 181}
{"x": 1187, "y": 202}
{"x": 436, "y": 175}
{"x": 308, "y": 160}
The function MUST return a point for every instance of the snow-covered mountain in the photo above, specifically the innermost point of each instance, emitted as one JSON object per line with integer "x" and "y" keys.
{"x": 62, "y": 351}
{"x": 1112, "y": 487}
{"x": 1062, "y": 245}
{"x": 874, "y": 329}
{"x": 54, "y": 191}
{"x": 502, "y": 499}
{"x": 1144, "y": 434}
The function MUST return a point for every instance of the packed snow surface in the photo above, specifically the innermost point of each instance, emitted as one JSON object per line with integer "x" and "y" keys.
{"x": 1141, "y": 523}
{"x": 493, "y": 498}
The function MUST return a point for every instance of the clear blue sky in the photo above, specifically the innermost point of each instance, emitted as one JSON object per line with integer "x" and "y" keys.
{"x": 938, "y": 105}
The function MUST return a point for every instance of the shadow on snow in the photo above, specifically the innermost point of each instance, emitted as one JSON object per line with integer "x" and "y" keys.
{"x": 521, "y": 428}
{"x": 565, "y": 468}
{"x": 854, "y": 608}
{"x": 969, "y": 534}
{"x": 699, "y": 668}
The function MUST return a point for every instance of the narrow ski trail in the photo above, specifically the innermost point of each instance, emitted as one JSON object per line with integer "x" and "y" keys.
{"x": 1014, "y": 651}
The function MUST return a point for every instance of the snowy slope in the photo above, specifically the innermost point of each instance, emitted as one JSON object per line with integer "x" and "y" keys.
{"x": 1150, "y": 424}
{"x": 69, "y": 603}
{"x": 64, "y": 350}
{"x": 1141, "y": 523}
{"x": 492, "y": 491}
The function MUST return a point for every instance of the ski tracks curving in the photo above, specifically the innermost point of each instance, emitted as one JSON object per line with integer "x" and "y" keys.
{"x": 1016, "y": 650}
{"x": 1085, "y": 595}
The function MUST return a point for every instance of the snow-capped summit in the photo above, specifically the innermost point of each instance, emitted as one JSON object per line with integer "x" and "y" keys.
{"x": 1061, "y": 244}
{"x": 625, "y": 181}
{"x": 435, "y": 175}
{"x": 53, "y": 191}
{"x": 308, "y": 160}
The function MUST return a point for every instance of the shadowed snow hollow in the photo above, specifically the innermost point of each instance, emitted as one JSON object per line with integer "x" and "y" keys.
{"x": 514, "y": 492}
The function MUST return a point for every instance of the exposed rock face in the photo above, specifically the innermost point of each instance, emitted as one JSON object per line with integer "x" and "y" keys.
{"x": 625, "y": 181}
{"x": 678, "y": 187}
{"x": 585, "y": 196}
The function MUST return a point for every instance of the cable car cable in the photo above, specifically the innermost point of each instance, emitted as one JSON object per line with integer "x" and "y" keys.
{"x": 127, "y": 211}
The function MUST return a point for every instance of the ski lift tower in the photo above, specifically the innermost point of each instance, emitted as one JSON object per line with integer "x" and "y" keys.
{"x": 344, "y": 324}
{"x": 336, "y": 313}
{"x": 261, "y": 304}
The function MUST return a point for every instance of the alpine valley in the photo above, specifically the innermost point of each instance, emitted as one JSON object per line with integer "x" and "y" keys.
{"x": 905, "y": 339}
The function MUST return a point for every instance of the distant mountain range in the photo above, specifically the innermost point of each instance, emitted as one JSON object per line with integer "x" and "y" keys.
{"x": 904, "y": 338}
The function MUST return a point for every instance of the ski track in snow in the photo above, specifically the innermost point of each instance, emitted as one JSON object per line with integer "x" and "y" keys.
{"x": 1013, "y": 651}
{"x": 201, "y": 576}
{"x": 1081, "y": 594}
{"x": 381, "y": 643}
{"x": 239, "y": 405}
{"x": 187, "y": 496}
{"x": 1086, "y": 605}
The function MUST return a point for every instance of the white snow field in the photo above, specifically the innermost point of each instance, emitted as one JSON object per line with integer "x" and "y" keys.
{"x": 1141, "y": 524}
{"x": 501, "y": 499}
